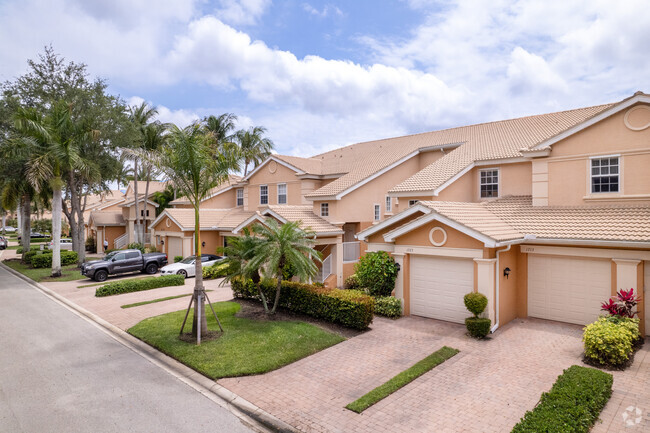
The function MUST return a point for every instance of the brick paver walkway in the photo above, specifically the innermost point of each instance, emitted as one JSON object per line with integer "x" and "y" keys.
{"x": 487, "y": 387}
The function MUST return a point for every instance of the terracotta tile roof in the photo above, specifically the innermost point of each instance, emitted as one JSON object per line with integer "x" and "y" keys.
{"x": 154, "y": 186}
{"x": 513, "y": 217}
{"x": 221, "y": 218}
{"x": 232, "y": 180}
{"x": 309, "y": 219}
{"x": 104, "y": 218}
{"x": 308, "y": 165}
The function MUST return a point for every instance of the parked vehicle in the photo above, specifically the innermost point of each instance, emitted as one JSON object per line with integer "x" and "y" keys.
{"x": 186, "y": 266}
{"x": 9, "y": 229}
{"x": 123, "y": 261}
{"x": 66, "y": 244}
{"x": 37, "y": 235}
{"x": 4, "y": 243}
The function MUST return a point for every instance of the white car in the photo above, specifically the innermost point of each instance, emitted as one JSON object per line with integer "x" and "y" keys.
{"x": 66, "y": 244}
{"x": 9, "y": 229}
{"x": 186, "y": 266}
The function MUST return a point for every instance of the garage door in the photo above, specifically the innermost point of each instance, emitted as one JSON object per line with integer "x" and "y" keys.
{"x": 174, "y": 248}
{"x": 567, "y": 289}
{"x": 438, "y": 286}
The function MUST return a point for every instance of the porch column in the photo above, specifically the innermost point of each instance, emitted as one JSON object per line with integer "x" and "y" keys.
{"x": 130, "y": 231}
{"x": 152, "y": 238}
{"x": 99, "y": 240}
{"x": 629, "y": 276}
{"x": 485, "y": 284}
{"x": 399, "y": 281}
{"x": 339, "y": 261}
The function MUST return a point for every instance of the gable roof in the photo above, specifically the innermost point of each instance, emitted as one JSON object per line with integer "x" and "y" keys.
{"x": 106, "y": 218}
{"x": 219, "y": 189}
{"x": 211, "y": 219}
{"x": 154, "y": 186}
{"x": 306, "y": 215}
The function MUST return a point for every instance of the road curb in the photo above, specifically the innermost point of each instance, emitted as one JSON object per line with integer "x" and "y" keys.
{"x": 240, "y": 407}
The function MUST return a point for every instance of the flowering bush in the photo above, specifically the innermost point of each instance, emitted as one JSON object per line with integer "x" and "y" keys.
{"x": 623, "y": 304}
{"x": 610, "y": 340}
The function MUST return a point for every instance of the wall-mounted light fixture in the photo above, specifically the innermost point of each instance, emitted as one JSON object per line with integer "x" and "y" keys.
{"x": 506, "y": 272}
{"x": 203, "y": 244}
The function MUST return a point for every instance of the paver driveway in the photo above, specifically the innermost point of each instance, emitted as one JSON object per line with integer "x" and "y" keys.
{"x": 487, "y": 387}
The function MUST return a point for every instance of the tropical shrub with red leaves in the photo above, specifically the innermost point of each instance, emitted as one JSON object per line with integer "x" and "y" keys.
{"x": 623, "y": 304}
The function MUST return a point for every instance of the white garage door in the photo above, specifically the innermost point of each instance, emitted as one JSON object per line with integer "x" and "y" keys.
{"x": 175, "y": 248}
{"x": 567, "y": 289}
{"x": 438, "y": 286}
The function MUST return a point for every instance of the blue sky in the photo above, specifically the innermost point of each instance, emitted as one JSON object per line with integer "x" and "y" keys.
{"x": 323, "y": 74}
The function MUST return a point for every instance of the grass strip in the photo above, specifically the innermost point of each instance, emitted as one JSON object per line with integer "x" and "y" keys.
{"x": 153, "y": 301}
{"x": 68, "y": 272}
{"x": 402, "y": 379}
{"x": 572, "y": 405}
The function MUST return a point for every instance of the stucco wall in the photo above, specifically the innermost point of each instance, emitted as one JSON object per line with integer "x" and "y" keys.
{"x": 113, "y": 232}
{"x": 455, "y": 239}
{"x": 272, "y": 174}
{"x": 225, "y": 200}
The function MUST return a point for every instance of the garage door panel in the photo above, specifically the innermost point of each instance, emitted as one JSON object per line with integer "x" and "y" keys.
{"x": 438, "y": 286}
{"x": 567, "y": 289}
{"x": 175, "y": 248}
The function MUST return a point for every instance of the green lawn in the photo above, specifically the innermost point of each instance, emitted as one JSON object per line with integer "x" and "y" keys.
{"x": 153, "y": 301}
{"x": 246, "y": 347}
{"x": 69, "y": 272}
{"x": 402, "y": 379}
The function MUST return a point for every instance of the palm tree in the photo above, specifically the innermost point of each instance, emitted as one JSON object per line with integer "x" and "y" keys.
{"x": 284, "y": 246}
{"x": 154, "y": 140}
{"x": 238, "y": 255}
{"x": 56, "y": 151}
{"x": 254, "y": 148}
{"x": 219, "y": 128}
{"x": 189, "y": 163}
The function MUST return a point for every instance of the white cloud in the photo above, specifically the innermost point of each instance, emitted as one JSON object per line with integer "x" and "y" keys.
{"x": 180, "y": 118}
{"x": 327, "y": 10}
{"x": 242, "y": 12}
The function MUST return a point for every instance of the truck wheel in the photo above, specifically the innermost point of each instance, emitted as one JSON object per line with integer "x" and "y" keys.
{"x": 101, "y": 276}
{"x": 151, "y": 268}
{"x": 183, "y": 273}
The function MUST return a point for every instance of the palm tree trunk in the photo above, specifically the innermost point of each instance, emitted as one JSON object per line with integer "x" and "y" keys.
{"x": 146, "y": 197}
{"x": 135, "y": 191}
{"x": 26, "y": 222}
{"x": 20, "y": 219}
{"x": 4, "y": 219}
{"x": 56, "y": 227}
{"x": 277, "y": 292}
{"x": 198, "y": 281}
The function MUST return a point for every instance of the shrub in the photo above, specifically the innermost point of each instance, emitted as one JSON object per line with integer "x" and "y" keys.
{"x": 623, "y": 304}
{"x": 135, "y": 246}
{"x": 610, "y": 340}
{"x": 19, "y": 250}
{"x": 572, "y": 405}
{"x": 352, "y": 283}
{"x": 178, "y": 259}
{"x": 29, "y": 254}
{"x": 475, "y": 302}
{"x": 377, "y": 272}
{"x": 388, "y": 306}
{"x": 218, "y": 270}
{"x": 110, "y": 250}
{"x": 45, "y": 260}
{"x": 91, "y": 246}
{"x": 478, "y": 327}
{"x": 151, "y": 249}
{"x": 139, "y": 284}
{"x": 349, "y": 308}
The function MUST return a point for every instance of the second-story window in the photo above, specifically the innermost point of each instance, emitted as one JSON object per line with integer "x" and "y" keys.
{"x": 282, "y": 193}
{"x": 389, "y": 204}
{"x": 324, "y": 209}
{"x": 605, "y": 174}
{"x": 377, "y": 212}
{"x": 412, "y": 202}
{"x": 240, "y": 196}
{"x": 489, "y": 183}
{"x": 264, "y": 194}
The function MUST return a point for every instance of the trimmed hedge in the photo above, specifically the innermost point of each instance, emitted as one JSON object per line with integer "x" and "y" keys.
{"x": 610, "y": 340}
{"x": 45, "y": 260}
{"x": 19, "y": 250}
{"x": 352, "y": 283}
{"x": 388, "y": 306}
{"x": 349, "y": 308}
{"x": 178, "y": 259}
{"x": 29, "y": 255}
{"x": 478, "y": 327}
{"x": 572, "y": 405}
{"x": 475, "y": 302}
{"x": 376, "y": 271}
{"x": 218, "y": 270}
{"x": 139, "y": 284}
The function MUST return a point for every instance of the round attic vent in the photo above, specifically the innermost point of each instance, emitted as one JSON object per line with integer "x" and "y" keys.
{"x": 637, "y": 118}
{"x": 273, "y": 166}
{"x": 438, "y": 236}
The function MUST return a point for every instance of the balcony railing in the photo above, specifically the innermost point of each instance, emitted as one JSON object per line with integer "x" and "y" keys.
{"x": 351, "y": 251}
{"x": 325, "y": 270}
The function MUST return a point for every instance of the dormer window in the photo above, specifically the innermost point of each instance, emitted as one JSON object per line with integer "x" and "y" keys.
{"x": 605, "y": 174}
{"x": 324, "y": 209}
{"x": 489, "y": 183}
{"x": 240, "y": 196}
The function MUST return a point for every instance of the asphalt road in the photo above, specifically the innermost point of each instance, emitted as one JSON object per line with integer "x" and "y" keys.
{"x": 60, "y": 373}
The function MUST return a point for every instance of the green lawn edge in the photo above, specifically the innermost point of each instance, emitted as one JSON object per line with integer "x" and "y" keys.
{"x": 68, "y": 272}
{"x": 153, "y": 301}
{"x": 402, "y": 379}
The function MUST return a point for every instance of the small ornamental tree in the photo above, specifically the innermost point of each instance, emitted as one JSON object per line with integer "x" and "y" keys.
{"x": 376, "y": 272}
{"x": 623, "y": 304}
{"x": 478, "y": 327}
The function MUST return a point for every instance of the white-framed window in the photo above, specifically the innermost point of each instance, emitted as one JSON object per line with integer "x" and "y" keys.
{"x": 489, "y": 183}
{"x": 264, "y": 194}
{"x": 605, "y": 174}
{"x": 389, "y": 204}
{"x": 282, "y": 193}
{"x": 142, "y": 212}
{"x": 240, "y": 196}
{"x": 377, "y": 212}
{"x": 412, "y": 202}
{"x": 324, "y": 209}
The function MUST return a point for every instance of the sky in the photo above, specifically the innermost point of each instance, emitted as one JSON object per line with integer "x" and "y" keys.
{"x": 324, "y": 74}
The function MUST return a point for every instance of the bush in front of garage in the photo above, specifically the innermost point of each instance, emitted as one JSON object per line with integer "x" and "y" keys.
{"x": 610, "y": 341}
{"x": 136, "y": 246}
{"x": 349, "y": 308}
{"x": 218, "y": 270}
{"x": 45, "y": 260}
{"x": 388, "y": 306}
{"x": 376, "y": 271}
{"x": 139, "y": 284}
{"x": 178, "y": 259}
{"x": 352, "y": 283}
{"x": 477, "y": 327}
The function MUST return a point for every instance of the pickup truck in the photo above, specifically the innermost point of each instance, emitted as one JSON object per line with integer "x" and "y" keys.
{"x": 123, "y": 261}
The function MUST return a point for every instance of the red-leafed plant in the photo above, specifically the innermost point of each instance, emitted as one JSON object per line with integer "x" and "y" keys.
{"x": 623, "y": 304}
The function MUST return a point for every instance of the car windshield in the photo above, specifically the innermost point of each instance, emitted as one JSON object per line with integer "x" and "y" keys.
{"x": 111, "y": 255}
{"x": 188, "y": 260}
